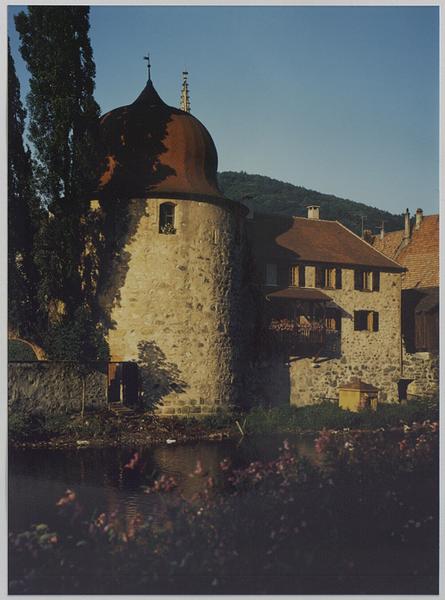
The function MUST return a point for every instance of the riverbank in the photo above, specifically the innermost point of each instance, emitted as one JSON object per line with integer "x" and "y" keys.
{"x": 141, "y": 427}
{"x": 360, "y": 517}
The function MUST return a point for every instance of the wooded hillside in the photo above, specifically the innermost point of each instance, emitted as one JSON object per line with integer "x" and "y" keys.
{"x": 273, "y": 196}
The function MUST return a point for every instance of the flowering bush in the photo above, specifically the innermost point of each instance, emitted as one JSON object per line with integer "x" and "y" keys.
{"x": 363, "y": 521}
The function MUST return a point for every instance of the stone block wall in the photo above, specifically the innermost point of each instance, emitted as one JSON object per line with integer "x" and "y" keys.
{"x": 175, "y": 305}
{"x": 374, "y": 357}
{"x": 55, "y": 387}
{"x": 423, "y": 369}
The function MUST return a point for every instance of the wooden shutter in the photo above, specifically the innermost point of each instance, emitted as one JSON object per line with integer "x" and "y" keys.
{"x": 338, "y": 281}
{"x": 375, "y": 281}
{"x": 302, "y": 276}
{"x": 358, "y": 280}
{"x": 319, "y": 277}
{"x": 375, "y": 321}
{"x": 294, "y": 275}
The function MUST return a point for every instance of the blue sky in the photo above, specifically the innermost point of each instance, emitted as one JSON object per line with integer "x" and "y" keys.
{"x": 343, "y": 100}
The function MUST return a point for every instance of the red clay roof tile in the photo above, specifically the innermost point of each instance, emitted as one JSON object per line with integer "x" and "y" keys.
{"x": 313, "y": 241}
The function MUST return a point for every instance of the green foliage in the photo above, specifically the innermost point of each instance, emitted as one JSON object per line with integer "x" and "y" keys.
{"x": 329, "y": 415}
{"x": 40, "y": 426}
{"x": 23, "y": 218}
{"x": 63, "y": 129}
{"x": 78, "y": 338}
{"x": 35, "y": 426}
{"x": 18, "y": 350}
{"x": 273, "y": 196}
{"x": 363, "y": 519}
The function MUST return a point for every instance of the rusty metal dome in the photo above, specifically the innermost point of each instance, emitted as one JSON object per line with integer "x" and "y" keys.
{"x": 150, "y": 149}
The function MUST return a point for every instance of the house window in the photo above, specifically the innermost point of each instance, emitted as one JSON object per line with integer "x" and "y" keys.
{"x": 271, "y": 274}
{"x": 366, "y": 281}
{"x": 332, "y": 319}
{"x": 167, "y": 218}
{"x": 366, "y": 320}
{"x": 328, "y": 277}
{"x": 297, "y": 276}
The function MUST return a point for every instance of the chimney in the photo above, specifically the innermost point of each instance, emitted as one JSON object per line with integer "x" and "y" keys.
{"x": 407, "y": 232}
{"x": 367, "y": 236}
{"x": 382, "y": 230}
{"x": 313, "y": 212}
{"x": 419, "y": 217}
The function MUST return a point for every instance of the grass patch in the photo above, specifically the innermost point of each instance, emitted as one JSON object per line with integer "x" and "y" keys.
{"x": 330, "y": 416}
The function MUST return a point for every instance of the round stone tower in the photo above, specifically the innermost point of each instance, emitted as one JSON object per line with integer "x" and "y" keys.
{"x": 172, "y": 290}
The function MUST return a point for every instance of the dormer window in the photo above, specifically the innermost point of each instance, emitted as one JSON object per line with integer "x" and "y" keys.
{"x": 167, "y": 218}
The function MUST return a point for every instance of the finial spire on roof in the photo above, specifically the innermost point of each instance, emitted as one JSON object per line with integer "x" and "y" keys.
{"x": 185, "y": 98}
{"x": 147, "y": 58}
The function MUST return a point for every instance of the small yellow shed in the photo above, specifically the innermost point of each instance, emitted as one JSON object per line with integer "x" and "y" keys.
{"x": 357, "y": 395}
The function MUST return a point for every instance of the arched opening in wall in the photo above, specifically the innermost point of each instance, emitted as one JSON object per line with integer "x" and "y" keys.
{"x": 402, "y": 387}
{"x": 167, "y": 218}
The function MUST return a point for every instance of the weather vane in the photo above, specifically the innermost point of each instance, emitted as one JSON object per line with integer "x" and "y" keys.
{"x": 147, "y": 58}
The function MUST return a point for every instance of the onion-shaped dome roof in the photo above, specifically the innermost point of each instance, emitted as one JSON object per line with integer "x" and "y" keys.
{"x": 150, "y": 149}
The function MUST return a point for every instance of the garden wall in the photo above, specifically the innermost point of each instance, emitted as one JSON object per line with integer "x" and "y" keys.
{"x": 55, "y": 387}
{"x": 423, "y": 368}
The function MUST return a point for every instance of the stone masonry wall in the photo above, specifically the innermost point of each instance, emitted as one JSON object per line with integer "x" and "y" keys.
{"x": 174, "y": 303}
{"x": 374, "y": 357}
{"x": 423, "y": 368}
{"x": 54, "y": 387}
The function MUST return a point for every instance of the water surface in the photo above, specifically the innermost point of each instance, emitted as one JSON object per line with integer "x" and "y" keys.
{"x": 39, "y": 477}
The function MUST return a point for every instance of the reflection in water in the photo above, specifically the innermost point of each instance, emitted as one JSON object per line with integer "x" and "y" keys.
{"x": 38, "y": 478}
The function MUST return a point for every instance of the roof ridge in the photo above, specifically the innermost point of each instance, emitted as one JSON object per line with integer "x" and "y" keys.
{"x": 307, "y": 219}
{"x": 371, "y": 246}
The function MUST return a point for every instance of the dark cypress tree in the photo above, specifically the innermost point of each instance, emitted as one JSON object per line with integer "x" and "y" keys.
{"x": 23, "y": 220}
{"x": 64, "y": 120}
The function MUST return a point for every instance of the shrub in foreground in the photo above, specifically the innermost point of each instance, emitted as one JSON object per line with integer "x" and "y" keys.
{"x": 363, "y": 521}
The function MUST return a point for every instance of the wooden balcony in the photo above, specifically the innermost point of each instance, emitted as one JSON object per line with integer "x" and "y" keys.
{"x": 303, "y": 340}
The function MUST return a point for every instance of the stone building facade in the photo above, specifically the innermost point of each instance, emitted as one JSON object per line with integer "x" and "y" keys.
{"x": 345, "y": 299}
{"x": 174, "y": 305}
{"x": 416, "y": 247}
{"x": 216, "y": 305}
{"x": 173, "y": 294}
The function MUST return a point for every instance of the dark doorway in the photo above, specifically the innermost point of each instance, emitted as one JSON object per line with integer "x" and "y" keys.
{"x": 403, "y": 389}
{"x": 123, "y": 383}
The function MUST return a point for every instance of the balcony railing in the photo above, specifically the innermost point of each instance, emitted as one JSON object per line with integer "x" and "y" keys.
{"x": 304, "y": 340}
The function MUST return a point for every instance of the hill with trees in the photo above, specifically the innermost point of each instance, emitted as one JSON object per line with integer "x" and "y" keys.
{"x": 272, "y": 196}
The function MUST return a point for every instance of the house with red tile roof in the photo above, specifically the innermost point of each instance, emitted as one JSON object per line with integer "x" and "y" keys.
{"x": 416, "y": 247}
{"x": 332, "y": 305}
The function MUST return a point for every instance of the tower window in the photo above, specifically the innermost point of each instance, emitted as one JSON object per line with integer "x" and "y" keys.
{"x": 167, "y": 218}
